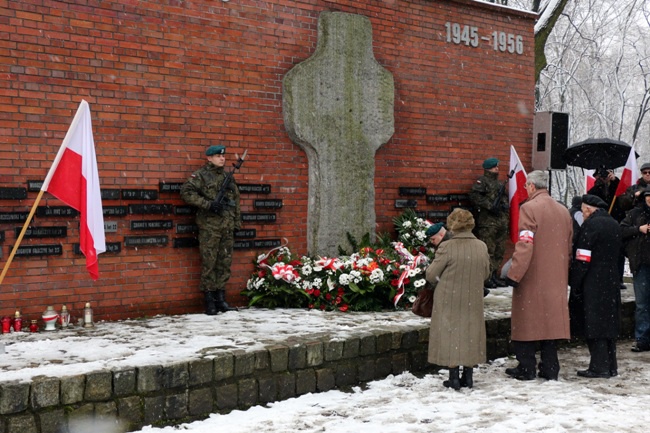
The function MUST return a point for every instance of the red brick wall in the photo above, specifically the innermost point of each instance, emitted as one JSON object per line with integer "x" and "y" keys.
{"x": 166, "y": 78}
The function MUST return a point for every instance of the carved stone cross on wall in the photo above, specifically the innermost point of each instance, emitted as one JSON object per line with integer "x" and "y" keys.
{"x": 338, "y": 106}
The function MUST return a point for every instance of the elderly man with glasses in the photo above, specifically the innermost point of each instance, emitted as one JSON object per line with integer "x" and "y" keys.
{"x": 633, "y": 196}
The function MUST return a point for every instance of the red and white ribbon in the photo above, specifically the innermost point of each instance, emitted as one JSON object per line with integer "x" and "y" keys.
{"x": 284, "y": 272}
{"x": 263, "y": 257}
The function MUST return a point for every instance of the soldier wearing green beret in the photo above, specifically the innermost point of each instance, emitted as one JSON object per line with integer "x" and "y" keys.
{"x": 216, "y": 223}
{"x": 492, "y": 217}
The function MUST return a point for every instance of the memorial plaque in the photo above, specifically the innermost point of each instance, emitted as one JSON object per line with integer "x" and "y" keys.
{"x": 152, "y": 225}
{"x": 56, "y": 211}
{"x": 139, "y": 194}
{"x": 110, "y": 211}
{"x": 421, "y": 214}
{"x": 43, "y": 232}
{"x": 111, "y": 247}
{"x": 2, "y": 236}
{"x": 245, "y": 233}
{"x": 110, "y": 194}
{"x": 141, "y": 241}
{"x": 437, "y": 214}
{"x": 185, "y": 242}
{"x": 437, "y": 198}
{"x": 34, "y": 185}
{"x": 184, "y": 210}
{"x": 266, "y": 243}
{"x": 150, "y": 209}
{"x": 268, "y": 204}
{"x": 39, "y": 250}
{"x": 400, "y": 204}
{"x": 407, "y": 190}
{"x": 458, "y": 197}
{"x": 187, "y": 228}
{"x": 258, "y": 217}
{"x": 170, "y": 186}
{"x": 13, "y": 193}
{"x": 254, "y": 188}
{"x": 13, "y": 217}
{"x": 242, "y": 245}
{"x": 110, "y": 226}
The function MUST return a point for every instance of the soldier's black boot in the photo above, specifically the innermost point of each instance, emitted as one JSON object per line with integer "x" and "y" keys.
{"x": 454, "y": 380}
{"x": 220, "y": 301}
{"x": 498, "y": 282}
{"x": 210, "y": 307}
{"x": 467, "y": 379}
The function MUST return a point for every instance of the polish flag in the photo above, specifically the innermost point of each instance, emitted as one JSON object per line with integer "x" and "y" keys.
{"x": 590, "y": 180}
{"x": 630, "y": 173}
{"x": 517, "y": 193}
{"x": 73, "y": 179}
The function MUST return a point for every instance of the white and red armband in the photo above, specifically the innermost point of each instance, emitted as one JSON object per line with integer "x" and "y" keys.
{"x": 526, "y": 236}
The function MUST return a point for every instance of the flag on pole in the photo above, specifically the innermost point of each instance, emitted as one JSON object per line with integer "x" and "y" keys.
{"x": 73, "y": 179}
{"x": 590, "y": 180}
{"x": 517, "y": 193}
{"x": 630, "y": 173}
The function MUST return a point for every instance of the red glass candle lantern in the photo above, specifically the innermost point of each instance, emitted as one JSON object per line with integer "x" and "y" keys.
{"x": 18, "y": 322}
{"x": 6, "y": 324}
{"x": 33, "y": 327}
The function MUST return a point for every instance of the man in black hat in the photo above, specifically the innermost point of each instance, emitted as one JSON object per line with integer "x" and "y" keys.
{"x": 217, "y": 223}
{"x": 635, "y": 229}
{"x": 633, "y": 195}
{"x": 595, "y": 297}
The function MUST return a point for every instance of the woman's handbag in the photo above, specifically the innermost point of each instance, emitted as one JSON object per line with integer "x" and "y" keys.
{"x": 423, "y": 304}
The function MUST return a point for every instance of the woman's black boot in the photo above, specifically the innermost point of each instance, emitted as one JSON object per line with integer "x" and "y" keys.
{"x": 467, "y": 379}
{"x": 454, "y": 380}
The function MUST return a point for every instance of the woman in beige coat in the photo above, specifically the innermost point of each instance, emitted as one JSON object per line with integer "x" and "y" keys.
{"x": 457, "y": 334}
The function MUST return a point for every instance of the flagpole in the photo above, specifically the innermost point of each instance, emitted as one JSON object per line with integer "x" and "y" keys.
{"x": 611, "y": 205}
{"x": 20, "y": 237}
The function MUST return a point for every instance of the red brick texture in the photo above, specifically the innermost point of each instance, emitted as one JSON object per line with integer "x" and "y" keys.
{"x": 166, "y": 78}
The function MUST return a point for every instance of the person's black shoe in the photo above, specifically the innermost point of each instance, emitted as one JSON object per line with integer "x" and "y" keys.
{"x": 641, "y": 347}
{"x": 486, "y": 292}
{"x": 489, "y": 284}
{"x": 593, "y": 374}
{"x": 613, "y": 373}
{"x": 546, "y": 376}
{"x": 498, "y": 282}
{"x": 519, "y": 374}
{"x": 454, "y": 379}
{"x": 467, "y": 378}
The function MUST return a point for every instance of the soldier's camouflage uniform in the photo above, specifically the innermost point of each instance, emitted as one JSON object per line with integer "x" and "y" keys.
{"x": 492, "y": 223}
{"x": 215, "y": 231}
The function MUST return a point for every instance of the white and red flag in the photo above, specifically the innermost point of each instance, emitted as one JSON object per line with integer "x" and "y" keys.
{"x": 630, "y": 173}
{"x": 590, "y": 180}
{"x": 517, "y": 193}
{"x": 73, "y": 179}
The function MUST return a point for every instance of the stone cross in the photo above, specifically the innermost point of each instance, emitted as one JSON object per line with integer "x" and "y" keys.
{"x": 338, "y": 106}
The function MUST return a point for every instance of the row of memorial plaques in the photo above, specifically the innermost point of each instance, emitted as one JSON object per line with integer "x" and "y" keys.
{"x": 436, "y": 199}
{"x": 111, "y": 227}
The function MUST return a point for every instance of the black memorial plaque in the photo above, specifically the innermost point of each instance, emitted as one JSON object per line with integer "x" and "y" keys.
{"x": 184, "y": 210}
{"x": 13, "y": 217}
{"x": 150, "y": 209}
{"x": 186, "y": 228}
{"x": 245, "y": 233}
{"x": 412, "y": 191}
{"x": 437, "y": 214}
{"x": 2, "y": 236}
{"x": 43, "y": 232}
{"x": 110, "y": 211}
{"x": 254, "y": 188}
{"x": 421, "y": 214}
{"x": 266, "y": 243}
{"x": 13, "y": 193}
{"x": 152, "y": 225}
{"x": 458, "y": 197}
{"x": 258, "y": 217}
{"x": 170, "y": 186}
{"x": 111, "y": 247}
{"x": 268, "y": 204}
{"x": 242, "y": 245}
{"x": 56, "y": 211}
{"x": 142, "y": 241}
{"x": 110, "y": 194}
{"x": 437, "y": 198}
{"x": 39, "y": 250}
{"x": 139, "y": 194}
{"x": 185, "y": 242}
{"x": 34, "y": 185}
{"x": 400, "y": 204}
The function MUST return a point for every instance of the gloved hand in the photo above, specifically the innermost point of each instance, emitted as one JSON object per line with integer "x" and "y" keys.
{"x": 216, "y": 207}
{"x": 511, "y": 282}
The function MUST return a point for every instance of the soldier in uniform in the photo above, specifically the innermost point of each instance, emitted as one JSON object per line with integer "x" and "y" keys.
{"x": 217, "y": 223}
{"x": 492, "y": 217}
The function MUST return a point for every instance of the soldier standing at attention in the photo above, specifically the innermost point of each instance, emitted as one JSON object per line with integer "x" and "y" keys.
{"x": 217, "y": 223}
{"x": 492, "y": 217}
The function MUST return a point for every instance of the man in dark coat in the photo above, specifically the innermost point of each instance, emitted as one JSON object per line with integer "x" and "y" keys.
{"x": 635, "y": 229}
{"x": 595, "y": 298}
{"x": 633, "y": 195}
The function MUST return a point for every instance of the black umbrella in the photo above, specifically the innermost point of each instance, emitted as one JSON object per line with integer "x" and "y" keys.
{"x": 598, "y": 153}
